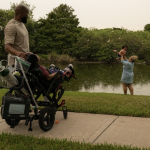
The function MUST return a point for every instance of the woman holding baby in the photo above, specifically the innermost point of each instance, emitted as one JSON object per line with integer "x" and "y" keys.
{"x": 127, "y": 74}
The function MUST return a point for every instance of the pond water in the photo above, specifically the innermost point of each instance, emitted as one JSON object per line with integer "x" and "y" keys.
{"x": 106, "y": 78}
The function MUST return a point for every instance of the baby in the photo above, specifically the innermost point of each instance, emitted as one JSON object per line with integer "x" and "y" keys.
{"x": 123, "y": 51}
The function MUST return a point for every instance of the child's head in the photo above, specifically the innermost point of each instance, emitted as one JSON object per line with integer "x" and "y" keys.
{"x": 125, "y": 48}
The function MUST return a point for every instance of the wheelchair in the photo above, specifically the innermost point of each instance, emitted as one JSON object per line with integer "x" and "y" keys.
{"x": 18, "y": 105}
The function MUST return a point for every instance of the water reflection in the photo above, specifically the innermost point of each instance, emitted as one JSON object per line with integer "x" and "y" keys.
{"x": 106, "y": 78}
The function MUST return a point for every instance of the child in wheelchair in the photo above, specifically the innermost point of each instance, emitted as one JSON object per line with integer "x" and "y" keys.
{"x": 50, "y": 73}
{"x": 36, "y": 82}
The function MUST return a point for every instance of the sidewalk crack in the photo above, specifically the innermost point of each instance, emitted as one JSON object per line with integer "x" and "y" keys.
{"x": 96, "y": 130}
{"x": 105, "y": 129}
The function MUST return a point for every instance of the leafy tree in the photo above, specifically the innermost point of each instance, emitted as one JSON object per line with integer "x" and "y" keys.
{"x": 114, "y": 28}
{"x": 59, "y": 30}
{"x": 86, "y": 45}
{"x": 147, "y": 27}
{"x": 6, "y": 15}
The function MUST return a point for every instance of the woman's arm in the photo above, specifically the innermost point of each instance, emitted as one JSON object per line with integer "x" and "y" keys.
{"x": 124, "y": 57}
{"x": 124, "y": 61}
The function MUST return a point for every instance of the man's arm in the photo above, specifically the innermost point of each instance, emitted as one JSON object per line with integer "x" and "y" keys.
{"x": 12, "y": 51}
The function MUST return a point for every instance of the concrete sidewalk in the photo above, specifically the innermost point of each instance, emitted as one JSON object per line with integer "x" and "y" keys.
{"x": 93, "y": 128}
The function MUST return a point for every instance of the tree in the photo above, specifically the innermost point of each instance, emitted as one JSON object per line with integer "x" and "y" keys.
{"x": 59, "y": 30}
{"x": 147, "y": 27}
{"x": 6, "y": 15}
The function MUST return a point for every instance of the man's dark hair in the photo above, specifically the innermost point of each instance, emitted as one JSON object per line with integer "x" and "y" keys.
{"x": 20, "y": 8}
{"x": 124, "y": 47}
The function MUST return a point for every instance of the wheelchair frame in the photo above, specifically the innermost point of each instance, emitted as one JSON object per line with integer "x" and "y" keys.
{"x": 46, "y": 114}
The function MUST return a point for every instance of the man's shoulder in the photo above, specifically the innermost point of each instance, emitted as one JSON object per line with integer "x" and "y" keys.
{"x": 10, "y": 24}
{"x": 13, "y": 23}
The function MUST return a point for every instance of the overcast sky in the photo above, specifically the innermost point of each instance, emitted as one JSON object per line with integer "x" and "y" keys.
{"x": 129, "y": 14}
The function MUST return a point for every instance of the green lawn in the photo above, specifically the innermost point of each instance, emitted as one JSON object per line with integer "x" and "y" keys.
{"x": 99, "y": 103}
{"x": 105, "y": 103}
{"x": 22, "y": 142}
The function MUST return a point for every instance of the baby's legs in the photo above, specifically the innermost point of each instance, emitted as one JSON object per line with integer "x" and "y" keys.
{"x": 118, "y": 58}
{"x": 116, "y": 51}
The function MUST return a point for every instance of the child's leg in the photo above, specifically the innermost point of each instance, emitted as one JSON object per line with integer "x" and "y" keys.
{"x": 116, "y": 51}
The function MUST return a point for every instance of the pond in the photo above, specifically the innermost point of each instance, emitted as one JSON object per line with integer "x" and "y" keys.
{"x": 106, "y": 78}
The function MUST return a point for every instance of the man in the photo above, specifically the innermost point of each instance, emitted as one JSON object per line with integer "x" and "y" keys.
{"x": 16, "y": 34}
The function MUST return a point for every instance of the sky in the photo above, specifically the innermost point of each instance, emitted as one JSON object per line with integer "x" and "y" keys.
{"x": 128, "y": 14}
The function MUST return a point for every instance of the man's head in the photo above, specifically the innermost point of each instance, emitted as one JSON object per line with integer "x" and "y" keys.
{"x": 21, "y": 13}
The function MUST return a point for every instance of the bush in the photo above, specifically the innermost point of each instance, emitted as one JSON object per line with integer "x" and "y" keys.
{"x": 101, "y": 43}
{"x": 54, "y": 57}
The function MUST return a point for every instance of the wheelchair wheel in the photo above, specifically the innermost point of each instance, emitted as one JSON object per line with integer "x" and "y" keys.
{"x": 15, "y": 121}
{"x": 46, "y": 118}
{"x": 2, "y": 107}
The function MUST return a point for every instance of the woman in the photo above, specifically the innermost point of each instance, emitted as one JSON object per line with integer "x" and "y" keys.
{"x": 127, "y": 74}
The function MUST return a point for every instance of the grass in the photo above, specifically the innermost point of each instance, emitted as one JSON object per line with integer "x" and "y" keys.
{"x": 22, "y": 142}
{"x": 84, "y": 102}
{"x": 105, "y": 103}
{"x": 140, "y": 61}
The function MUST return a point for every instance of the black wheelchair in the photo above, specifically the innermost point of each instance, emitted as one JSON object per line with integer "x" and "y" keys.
{"x": 18, "y": 105}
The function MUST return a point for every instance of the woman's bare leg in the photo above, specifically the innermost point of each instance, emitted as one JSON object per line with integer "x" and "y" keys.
{"x": 124, "y": 88}
{"x": 130, "y": 88}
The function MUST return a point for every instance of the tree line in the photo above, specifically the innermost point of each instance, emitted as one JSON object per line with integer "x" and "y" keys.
{"x": 60, "y": 32}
